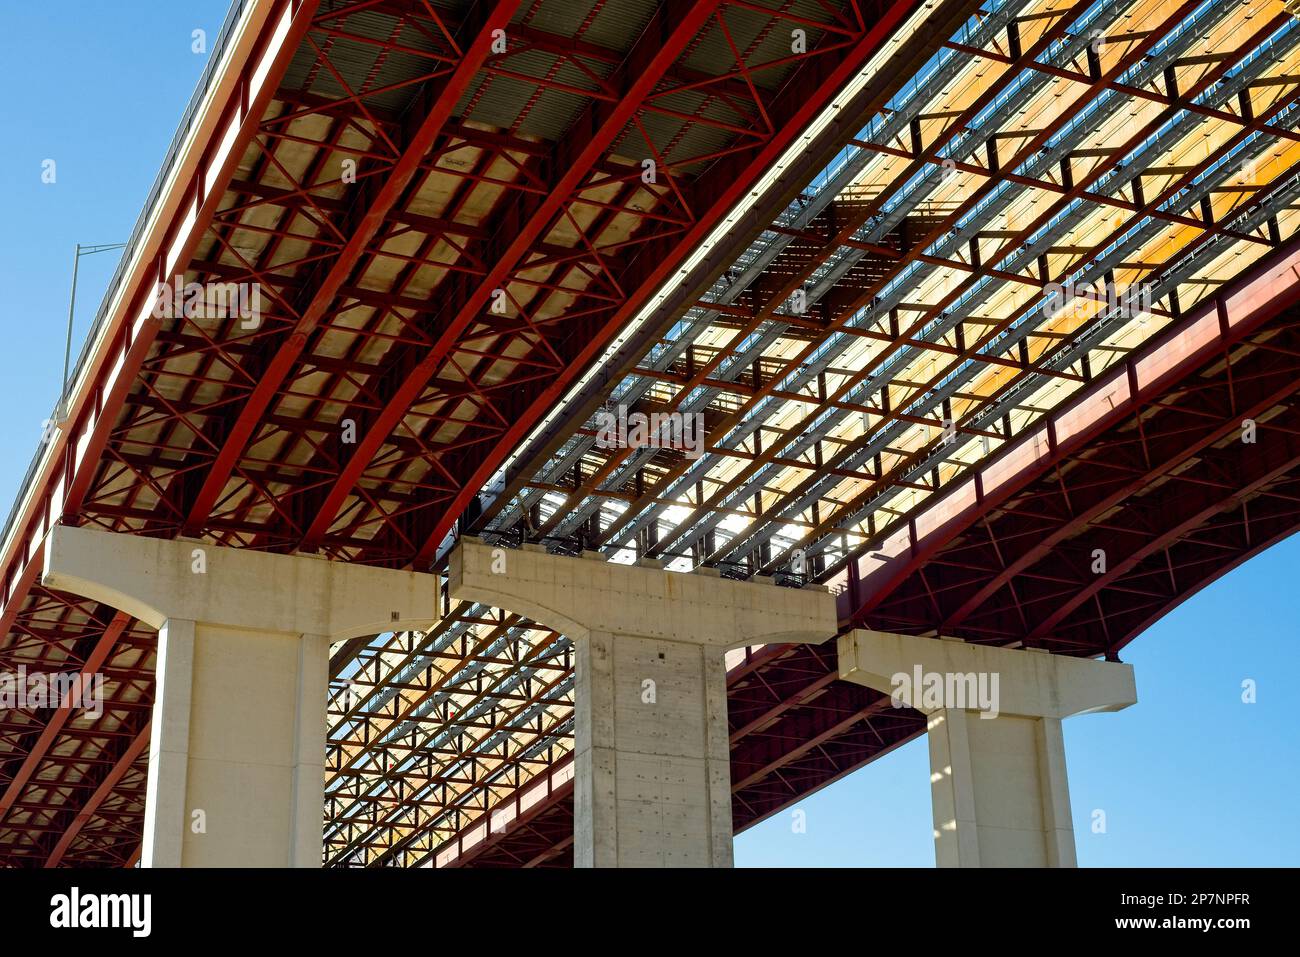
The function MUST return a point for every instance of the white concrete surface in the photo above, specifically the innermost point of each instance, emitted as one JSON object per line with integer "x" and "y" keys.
{"x": 998, "y": 784}
{"x": 652, "y": 783}
{"x": 237, "y": 753}
{"x": 652, "y": 762}
{"x": 579, "y": 595}
{"x": 154, "y": 579}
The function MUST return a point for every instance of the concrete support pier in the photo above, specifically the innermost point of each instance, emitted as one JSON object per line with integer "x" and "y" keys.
{"x": 997, "y": 757}
{"x": 652, "y": 760}
{"x": 237, "y": 747}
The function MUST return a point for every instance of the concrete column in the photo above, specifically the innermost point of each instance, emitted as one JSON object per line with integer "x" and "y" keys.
{"x": 165, "y": 808}
{"x": 997, "y": 757}
{"x": 652, "y": 765}
{"x": 236, "y": 761}
{"x": 652, "y": 761}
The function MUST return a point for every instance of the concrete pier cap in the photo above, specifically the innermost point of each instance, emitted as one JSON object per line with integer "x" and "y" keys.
{"x": 999, "y": 788}
{"x": 1029, "y": 683}
{"x": 156, "y": 579}
{"x": 237, "y": 737}
{"x": 577, "y": 597}
{"x": 652, "y": 758}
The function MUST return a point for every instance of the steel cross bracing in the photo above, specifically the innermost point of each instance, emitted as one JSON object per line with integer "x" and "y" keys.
{"x": 73, "y": 781}
{"x": 397, "y": 793}
{"x": 816, "y": 742}
{"x": 388, "y": 176}
{"x": 397, "y": 804}
{"x": 1152, "y": 464}
{"x": 761, "y": 255}
{"x": 73, "y": 775}
{"x": 384, "y": 322}
{"x": 387, "y": 788}
{"x": 1188, "y": 479}
{"x": 807, "y": 435}
{"x": 1123, "y": 76}
{"x": 819, "y": 279}
{"x": 1098, "y": 270}
{"x": 1164, "y": 284}
{"x": 408, "y": 816}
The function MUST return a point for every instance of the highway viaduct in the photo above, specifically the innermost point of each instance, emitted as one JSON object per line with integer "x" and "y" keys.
{"x": 986, "y": 313}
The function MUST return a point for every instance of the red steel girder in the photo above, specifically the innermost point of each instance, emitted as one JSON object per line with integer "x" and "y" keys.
{"x": 473, "y": 55}
{"x": 1232, "y": 313}
{"x": 229, "y": 126}
{"x": 93, "y": 663}
{"x": 840, "y": 309}
{"x": 135, "y": 348}
{"x": 655, "y": 52}
{"x": 59, "y": 763}
{"x": 1251, "y": 470}
{"x": 1088, "y": 487}
{"x": 1162, "y": 546}
{"x": 1239, "y": 532}
{"x": 845, "y": 306}
{"x": 1249, "y": 314}
{"x": 138, "y": 746}
{"x": 721, "y": 194}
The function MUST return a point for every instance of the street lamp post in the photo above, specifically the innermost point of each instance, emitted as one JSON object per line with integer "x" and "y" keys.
{"x": 88, "y": 250}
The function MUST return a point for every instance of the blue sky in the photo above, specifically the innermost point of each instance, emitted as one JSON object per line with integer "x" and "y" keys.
{"x": 99, "y": 88}
{"x": 1189, "y": 776}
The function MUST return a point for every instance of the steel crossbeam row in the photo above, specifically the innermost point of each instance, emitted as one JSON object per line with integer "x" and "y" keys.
{"x": 461, "y": 259}
{"x": 514, "y": 235}
{"x": 1257, "y": 238}
{"x": 447, "y": 210}
{"x": 1169, "y": 421}
{"x": 822, "y": 468}
{"x": 396, "y": 812}
{"x": 567, "y": 484}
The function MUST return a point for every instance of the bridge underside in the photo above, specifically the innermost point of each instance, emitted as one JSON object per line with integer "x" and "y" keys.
{"x": 448, "y": 209}
{"x": 1098, "y": 543}
{"x": 870, "y": 343}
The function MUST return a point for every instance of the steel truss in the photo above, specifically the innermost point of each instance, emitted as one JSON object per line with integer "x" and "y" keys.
{"x": 1049, "y": 141}
{"x": 445, "y": 223}
{"x": 1164, "y": 236}
{"x": 1165, "y": 485}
